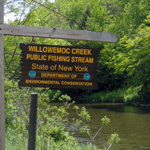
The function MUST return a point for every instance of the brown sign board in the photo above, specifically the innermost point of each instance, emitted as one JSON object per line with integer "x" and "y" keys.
{"x": 58, "y": 66}
{"x": 55, "y": 49}
{"x": 28, "y": 74}
{"x": 57, "y": 58}
{"x": 58, "y": 84}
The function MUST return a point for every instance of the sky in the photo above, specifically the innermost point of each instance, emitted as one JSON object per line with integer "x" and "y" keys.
{"x": 12, "y": 17}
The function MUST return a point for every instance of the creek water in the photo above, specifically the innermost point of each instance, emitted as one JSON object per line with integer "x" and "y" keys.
{"x": 131, "y": 123}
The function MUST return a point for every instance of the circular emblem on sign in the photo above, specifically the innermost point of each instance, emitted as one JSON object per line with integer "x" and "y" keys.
{"x": 32, "y": 74}
{"x": 86, "y": 76}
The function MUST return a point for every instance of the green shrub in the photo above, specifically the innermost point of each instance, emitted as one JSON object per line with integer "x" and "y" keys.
{"x": 54, "y": 129}
{"x": 127, "y": 95}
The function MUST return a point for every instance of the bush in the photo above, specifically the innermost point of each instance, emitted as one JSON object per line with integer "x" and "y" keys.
{"x": 54, "y": 129}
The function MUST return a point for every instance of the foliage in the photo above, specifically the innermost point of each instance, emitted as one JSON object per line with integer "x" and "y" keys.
{"x": 52, "y": 124}
{"x": 120, "y": 64}
{"x": 124, "y": 63}
{"x": 54, "y": 129}
{"x": 127, "y": 95}
{"x": 121, "y": 17}
{"x": 114, "y": 138}
{"x": 132, "y": 58}
{"x": 17, "y": 141}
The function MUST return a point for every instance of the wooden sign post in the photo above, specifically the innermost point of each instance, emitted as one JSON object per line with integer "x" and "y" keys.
{"x": 55, "y": 33}
{"x": 2, "y": 112}
{"x": 32, "y": 121}
{"x": 39, "y": 32}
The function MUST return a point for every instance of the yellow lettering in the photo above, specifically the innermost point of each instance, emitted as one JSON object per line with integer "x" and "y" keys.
{"x": 31, "y": 48}
{"x": 53, "y": 67}
{"x": 58, "y": 50}
{"x": 76, "y": 83}
{"x": 54, "y": 50}
{"x": 34, "y": 66}
{"x": 28, "y": 56}
{"x": 39, "y": 67}
{"x": 43, "y": 74}
{"x": 42, "y": 82}
{"x": 50, "y": 50}
{"x": 55, "y": 75}
{"x": 35, "y": 49}
{"x": 36, "y": 57}
{"x": 64, "y": 68}
{"x": 45, "y": 49}
{"x": 78, "y": 51}
{"x": 81, "y": 69}
{"x": 82, "y": 60}
{"x": 58, "y": 58}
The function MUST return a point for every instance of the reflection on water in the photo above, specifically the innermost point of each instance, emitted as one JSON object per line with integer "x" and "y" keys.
{"x": 131, "y": 123}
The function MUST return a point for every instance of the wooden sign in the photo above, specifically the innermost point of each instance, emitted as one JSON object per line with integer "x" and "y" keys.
{"x": 58, "y": 66}
{"x": 59, "y": 58}
{"x": 55, "y": 33}
{"x": 55, "y": 49}
{"x": 58, "y": 84}
{"x": 27, "y": 74}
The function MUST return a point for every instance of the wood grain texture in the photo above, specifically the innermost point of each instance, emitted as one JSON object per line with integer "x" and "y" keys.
{"x": 2, "y": 111}
{"x": 55, "y": 33}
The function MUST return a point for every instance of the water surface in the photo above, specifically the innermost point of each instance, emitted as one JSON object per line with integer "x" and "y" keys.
{"x": 131, "y": 123}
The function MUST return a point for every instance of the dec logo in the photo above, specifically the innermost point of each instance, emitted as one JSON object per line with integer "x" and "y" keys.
{"x": 32, "y": 74}
{"x": 86, "y": 76}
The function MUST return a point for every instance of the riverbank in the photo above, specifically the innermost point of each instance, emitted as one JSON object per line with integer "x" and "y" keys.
{"x": 128, "y": 96}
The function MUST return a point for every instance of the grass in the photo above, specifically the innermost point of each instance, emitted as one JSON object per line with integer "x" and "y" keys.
{"x": 84, "y": 147}
{"x": 15, "y": 141}
{"x": 127, "y": 95}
